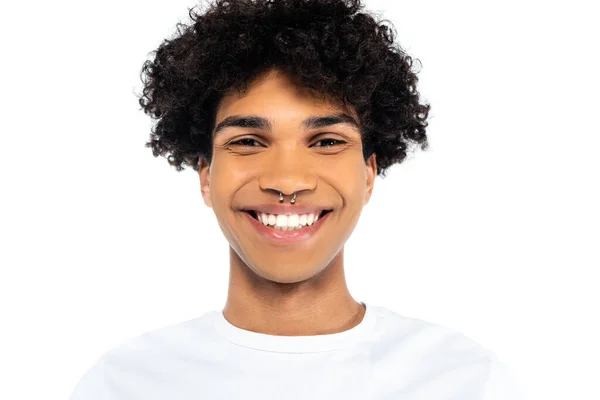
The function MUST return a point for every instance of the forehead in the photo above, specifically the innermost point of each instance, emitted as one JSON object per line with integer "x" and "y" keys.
{"x": 277, "y": 95}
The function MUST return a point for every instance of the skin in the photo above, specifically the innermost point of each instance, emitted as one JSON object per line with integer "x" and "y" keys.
{"x": 293, "y": 289}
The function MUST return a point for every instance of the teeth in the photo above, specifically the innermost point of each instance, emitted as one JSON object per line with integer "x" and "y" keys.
{"x": 303, "y": 218}
{"x": 287, "y": 222}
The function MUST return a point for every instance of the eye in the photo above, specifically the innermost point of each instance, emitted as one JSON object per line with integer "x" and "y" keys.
{"x": 250, "y": 142}
{"x": 329, "y": 140}
{"x": 245, "y": 142}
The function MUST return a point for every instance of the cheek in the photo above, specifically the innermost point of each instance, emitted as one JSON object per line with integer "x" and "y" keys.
{"x": 227, "y": 168}
{"x": 349, "y": 179}
{"x": 226, "y": 178}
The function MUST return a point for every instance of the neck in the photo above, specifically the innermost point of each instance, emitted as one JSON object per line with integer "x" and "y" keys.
{"x": 316, "y": 306}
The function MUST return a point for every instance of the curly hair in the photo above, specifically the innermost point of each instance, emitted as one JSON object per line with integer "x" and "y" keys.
{"x": 329, "y": 47}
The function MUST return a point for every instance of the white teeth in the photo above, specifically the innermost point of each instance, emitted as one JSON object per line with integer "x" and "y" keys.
{"x": 303, "y": 218}
{"x": 264, "y": 218}
{"x": 281, "y": 221}
{"x": 293, "y": 220}
{"x": 287, "y": 222}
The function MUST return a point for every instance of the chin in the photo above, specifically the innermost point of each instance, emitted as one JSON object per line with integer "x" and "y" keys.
{"x": 291, "y": 274}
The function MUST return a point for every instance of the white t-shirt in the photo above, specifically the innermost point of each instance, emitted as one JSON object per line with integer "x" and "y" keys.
{"x": 386, "y": 356}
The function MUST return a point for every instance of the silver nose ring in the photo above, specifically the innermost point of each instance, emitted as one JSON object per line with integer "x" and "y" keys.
{"x": 293, "y": 199}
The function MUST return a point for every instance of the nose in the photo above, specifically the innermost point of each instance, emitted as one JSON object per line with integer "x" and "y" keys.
{"x": 287, "y": 183}
{"x": 287, "y": 174}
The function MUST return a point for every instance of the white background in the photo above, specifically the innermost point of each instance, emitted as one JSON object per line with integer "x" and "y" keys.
{"x": 492, "y": 232}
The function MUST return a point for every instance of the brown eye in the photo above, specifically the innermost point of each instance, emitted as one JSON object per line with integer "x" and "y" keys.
{"x": 329, "y": 140}
{"x": 245, "y": 142}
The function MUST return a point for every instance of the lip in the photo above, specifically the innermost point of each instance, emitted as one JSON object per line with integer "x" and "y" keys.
{"x": 286, "y": 237}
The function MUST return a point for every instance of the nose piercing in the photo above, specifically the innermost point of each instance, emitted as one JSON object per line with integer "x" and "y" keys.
{"x": 293, "y": 200}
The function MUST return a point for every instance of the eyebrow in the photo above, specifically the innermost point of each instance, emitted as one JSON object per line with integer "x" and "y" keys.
{"x": 257, "y": 122}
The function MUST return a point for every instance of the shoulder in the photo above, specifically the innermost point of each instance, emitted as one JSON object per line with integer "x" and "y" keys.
{"x": 138, "y": 352}
{"x": 502, "y": 383}
{"x": 431, "y": 349}
{"x": 423, "y": 338}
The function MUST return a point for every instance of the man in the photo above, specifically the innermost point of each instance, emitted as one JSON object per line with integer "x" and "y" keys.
{"x": 288, "y": 110}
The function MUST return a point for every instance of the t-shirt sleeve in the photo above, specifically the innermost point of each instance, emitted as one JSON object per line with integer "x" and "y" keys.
{"x": 502, "y": 384}
{"x": 91, "y": 384}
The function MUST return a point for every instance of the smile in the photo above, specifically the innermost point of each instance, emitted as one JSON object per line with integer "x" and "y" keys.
{"x": 285, "y": 229}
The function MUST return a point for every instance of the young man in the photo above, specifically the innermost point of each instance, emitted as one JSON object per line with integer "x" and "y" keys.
{"x": 288, "y": 110}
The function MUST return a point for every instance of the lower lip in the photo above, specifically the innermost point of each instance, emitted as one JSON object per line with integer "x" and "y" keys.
{"x": 286, "y": 237}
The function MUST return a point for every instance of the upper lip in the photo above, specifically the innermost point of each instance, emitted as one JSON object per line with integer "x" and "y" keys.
{"x": 281, "y": 209}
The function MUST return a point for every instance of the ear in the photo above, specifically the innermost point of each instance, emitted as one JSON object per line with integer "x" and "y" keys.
{"x": 204, "y": 173}
{"x": 371, "y": 167}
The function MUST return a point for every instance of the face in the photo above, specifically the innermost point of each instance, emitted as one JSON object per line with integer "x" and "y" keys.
{"x": 274, "y": 139}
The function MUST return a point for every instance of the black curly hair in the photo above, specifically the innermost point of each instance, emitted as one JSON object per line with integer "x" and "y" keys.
{"x": 329, "y": 47}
